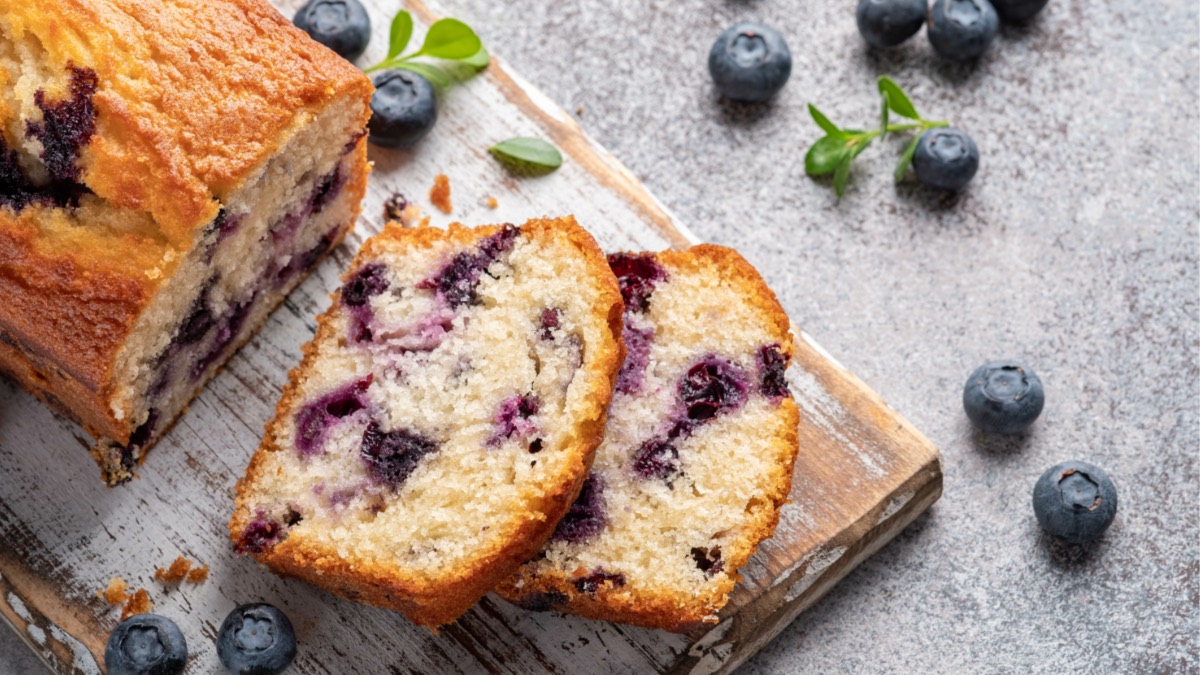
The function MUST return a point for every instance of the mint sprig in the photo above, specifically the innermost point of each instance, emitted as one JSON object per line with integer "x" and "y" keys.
{"x": 834, "y": 152}
{"x": 448, "y": 40}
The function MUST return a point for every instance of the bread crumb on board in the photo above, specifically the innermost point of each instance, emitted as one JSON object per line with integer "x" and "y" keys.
{"x": 439, "y": 194}
{"x": 491, "y": 202}
{"x": 115, "y": 593}
{"x": 181, "y": 569}
{"x": 398, "y": 209}
{"x": 138, "y": 604}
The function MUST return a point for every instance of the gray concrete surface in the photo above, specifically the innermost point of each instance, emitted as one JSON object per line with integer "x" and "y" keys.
{"x": 1076, "y": 248}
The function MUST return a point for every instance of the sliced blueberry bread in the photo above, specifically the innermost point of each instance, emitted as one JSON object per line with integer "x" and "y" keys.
{"x": 443, "y": 418}
{"x": 168, "y": 172}
{"x": 698, "y": 451}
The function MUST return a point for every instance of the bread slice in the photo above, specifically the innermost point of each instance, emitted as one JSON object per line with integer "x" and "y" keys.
{"x": 698, "y": 453}
{"x": 443, "y": 418}
{"x": 168, "y": 172}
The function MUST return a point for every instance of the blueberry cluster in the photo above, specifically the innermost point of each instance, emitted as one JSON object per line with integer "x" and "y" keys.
{"x": 1074, "y": 501}
{"x": 960, "y": 30}
{"x": 254, "y": 639}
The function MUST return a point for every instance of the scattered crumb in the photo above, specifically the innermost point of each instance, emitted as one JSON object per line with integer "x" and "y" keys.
{"x": 115, "y": 593}
{"x": 394, "y": 206}
{"x": 198, "y": 575}
{"x": 175, "y": 573}
{"x": 138, "y": 604}
{"x": 440, "y": 193}
{"x": 424, "y": 222}
{"x": 579, "y": 111}
{"x": 491, "y": 202}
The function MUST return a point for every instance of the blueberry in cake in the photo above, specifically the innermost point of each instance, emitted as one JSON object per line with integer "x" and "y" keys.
{"x": 698, "y": 451}
{"x": 443, "y": 418}
{"x": 168, "y": 172}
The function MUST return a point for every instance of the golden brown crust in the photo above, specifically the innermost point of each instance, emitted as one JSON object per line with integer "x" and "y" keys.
{"x": 436, "y": 604}
{"x": 193, "y": 97}
{"x": 683, "y": 613}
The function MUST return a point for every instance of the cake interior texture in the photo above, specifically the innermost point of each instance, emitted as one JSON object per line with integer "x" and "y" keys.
{"x": 697, "y": 455}
{"x": 153, "y": 212}
{"x": 443, "y": 418}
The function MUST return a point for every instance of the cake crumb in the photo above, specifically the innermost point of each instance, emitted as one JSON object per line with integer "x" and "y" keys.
{"x": 138, "y": 604}
{"x": 198, "y": 575}
{"x": 424, "y": 222}
{"x": 394, "y": 206}
{"x": 115, "y": 593}
{"x": 175, "y": 573}
{"x": 440, "y": 193}
{"x": 491, "y": 202}
{"x": 579, "y": 111}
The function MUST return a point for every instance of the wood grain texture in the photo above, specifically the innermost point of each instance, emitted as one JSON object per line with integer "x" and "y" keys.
{"x": 862, "y": 475}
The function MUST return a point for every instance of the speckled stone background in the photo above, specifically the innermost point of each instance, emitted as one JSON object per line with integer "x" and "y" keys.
{"x": 1076, "y": 248}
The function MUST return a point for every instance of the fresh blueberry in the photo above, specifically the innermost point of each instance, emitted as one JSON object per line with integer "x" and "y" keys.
{"x": 1018, "y": 11}
{"x": 946, "y": 158}
{"x": 256, "y": 639}
{"x": 962, "y": 30}
{"x": 1075, "y": 501}
{"x": 146, "y": 644}
{"x": 1003, "y": 397}
{"x": 750, "y": 62}
{"x": 887, "y": 23}
{"x": 342, "y": 25}
{"x": 403, "y": 109}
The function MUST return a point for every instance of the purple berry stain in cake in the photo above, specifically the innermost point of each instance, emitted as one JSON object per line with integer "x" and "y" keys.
{"x": 67, "y": 125}
{"x": 140, "y": 437}
{"x": 585, "y": 519}
{"x": 370, "y": 280}
{"x": 637, "y": 357}
{"x": 657, "y": 459}
{"x": 392, "y": 456}
{"x": 326, "y": 190}
{"x": 514, "y": 418}
{"x": 550, "y": 320}
{"x": 457, "y": 280}
{"x": 772, "y": 365}
{"x": 228, "y": 329}
{"x": 708, "y": 560}
{"x": 262, "y": 533}
{"x": 317, "y": 416}
{"x": 592, "y": 582}
{"x": 637, "y": 274}
{"x": 712, "y": 386}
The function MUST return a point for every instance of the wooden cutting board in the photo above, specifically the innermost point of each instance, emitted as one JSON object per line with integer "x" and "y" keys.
{"x": 863, "y": 473}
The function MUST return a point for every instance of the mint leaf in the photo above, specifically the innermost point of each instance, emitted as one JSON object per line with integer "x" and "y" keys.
{"x": 450, "y": 39}
{"x": 842, "y": 175}
{"x": 402, "y": 29}
{"x": 479, "y": 61}
{"x": 896, "y": 99}
{"x": 883, "y": 117}
{"x": 823, "y": 122}
{"x": 824, "y": 156}
{"x": 906, "y": 158}
{"x": 524, "y": 154}
{"x": 436, "y": 76}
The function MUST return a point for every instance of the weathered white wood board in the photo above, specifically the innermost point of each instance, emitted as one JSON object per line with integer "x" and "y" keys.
{"x": 863, "y": 473}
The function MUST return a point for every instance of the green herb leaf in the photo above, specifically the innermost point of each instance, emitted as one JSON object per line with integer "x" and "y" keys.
{"x": 402, "y": 28}
{"x": 883, "y": 117}
{"x": 436, "y": 76}
{"x": 450, "y": 39}
{"x": 824, "y": 156}
{"x": 823, "y": 122}
{"x": 896, "y": 99}
{"x": 527, "y": 155}
{"x": 842, "y": 175}
{"x": 479, "y": 61}
{"x": 906, "y": 158}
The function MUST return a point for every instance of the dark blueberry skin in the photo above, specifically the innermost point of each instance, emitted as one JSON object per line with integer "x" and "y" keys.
{"x": 403, "y": 109}
{"x": 750, "y": 62}
{"x": 1018, "y": 11}
{"x": 342, "y": 25}
{"x": 585, "y": 519}
{"x": 962, "y": 30}
{"x": 146, "y": 644}
{"x": 1075, "y": 501}
{"x": 887, "y": 23}
{"x": 637, "y": 274}
{"x": 946, "y": 159}
{"x": 1003, "y": 397}
{"x": 392, "y": 456}
{"x": 256, "y": 639}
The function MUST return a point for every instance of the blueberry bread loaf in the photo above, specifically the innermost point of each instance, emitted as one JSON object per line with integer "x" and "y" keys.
{"x": 443, "y": 418}
{"x": 698, "y": 451}
{"x": 168, "y": 172}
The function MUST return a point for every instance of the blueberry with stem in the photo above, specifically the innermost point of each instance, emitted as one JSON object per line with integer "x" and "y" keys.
{"x": 1003, "y": 397}
{"x": 1075, "y": 501}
